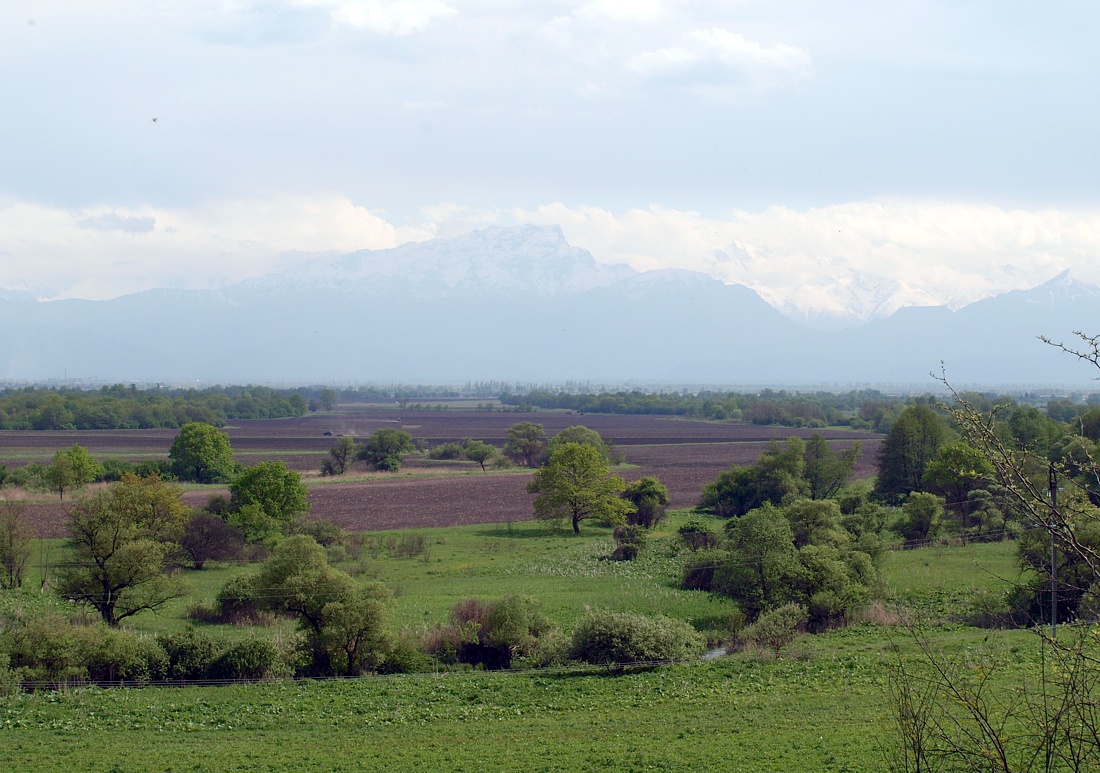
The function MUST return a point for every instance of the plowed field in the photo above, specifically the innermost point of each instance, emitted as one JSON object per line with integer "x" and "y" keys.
{"x": 683, "y": 454}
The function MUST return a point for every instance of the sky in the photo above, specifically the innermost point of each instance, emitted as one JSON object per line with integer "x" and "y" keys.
{"x": 943, "y": 150}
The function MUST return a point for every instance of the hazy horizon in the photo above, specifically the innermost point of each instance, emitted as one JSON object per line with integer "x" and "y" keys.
{"x": 943, "y": 151}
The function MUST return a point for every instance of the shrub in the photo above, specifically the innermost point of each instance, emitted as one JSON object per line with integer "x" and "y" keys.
{"x": 113, "y": 655}
{"x": 236, "y": 602}
{"x": 9, "y": 677}
{"x": 776, "y": 628}
{"x": 629, "y": 542}
{"x": 607, "y": 638}
{"x": 248, "y": 660}
{"x": 323, "y": 531}
{"x": 43, "y": 649}
{"x": 696, "y": 535}
{"x": 447, "y": 451}
{"x": 190, "y": 654}
{"x": 700, "y": 567}
{"x": 114, "y": 469}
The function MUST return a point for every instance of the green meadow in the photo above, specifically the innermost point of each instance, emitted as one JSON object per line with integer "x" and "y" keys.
{"x": 823, "y": 705}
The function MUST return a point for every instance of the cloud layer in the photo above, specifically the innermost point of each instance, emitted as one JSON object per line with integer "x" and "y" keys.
{"x": 841, "y": 259}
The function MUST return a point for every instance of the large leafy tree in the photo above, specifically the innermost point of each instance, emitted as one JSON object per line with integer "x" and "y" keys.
{"x": 386, "y": 449}
{"x": 524, "y": 443}
{"x": 576, "y": 483}
{"x": 201, "y": 453}
{"x": 583, "y": 435}
{"x": 910, "y": 445}
{"x": 119, "y": 548}
{"x": 272, "y": 488}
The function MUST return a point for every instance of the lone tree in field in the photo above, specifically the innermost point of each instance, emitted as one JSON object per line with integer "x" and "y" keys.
{"x": 576, "y": 483}
{"x": 524, "y": 443}
{"x": 201, "y": 454}
{"x": 121, "y": 541}
{"x": 72, "y": 468}
{"x": 342, "y": 453}
{"x": 386, "y": 449}
{"x": 479, "y": 451}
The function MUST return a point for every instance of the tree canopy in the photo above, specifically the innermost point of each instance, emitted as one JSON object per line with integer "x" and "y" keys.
{"x": 201, "y": 453}
{"x": 386, "y": 449}
{"x": 909, "y": 446}
{"x": 121, "y": 545}
{"x": 576, "y": 483}
{"x": 273, "y": 489}
{"x": 524, "y": 443}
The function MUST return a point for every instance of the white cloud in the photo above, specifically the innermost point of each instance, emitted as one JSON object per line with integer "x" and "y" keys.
{"x": 385, "y": 17}
{"x": 622, "y": 10}
{"x": 812, "y": 260}
{"x": 103, "y": 252}
{"x": 717, "y": 60}
{"x": 858, "y": 258}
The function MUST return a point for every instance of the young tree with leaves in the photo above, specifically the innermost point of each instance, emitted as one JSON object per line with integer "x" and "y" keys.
{"x": 576, "y": 483}
{"x": 120, "y": 550}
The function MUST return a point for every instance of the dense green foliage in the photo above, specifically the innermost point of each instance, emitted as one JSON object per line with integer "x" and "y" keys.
{"x": 201, "y": 453}
{"x": 122, "y": 538}
{"x": 576, "y": 484}
{"x": 120, "y": 407}
{"x": 386, "y": 448}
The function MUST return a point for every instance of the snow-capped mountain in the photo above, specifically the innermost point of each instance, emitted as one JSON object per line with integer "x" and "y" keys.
{"x": 521, "y": 303}
{"x": 530, "y": 260}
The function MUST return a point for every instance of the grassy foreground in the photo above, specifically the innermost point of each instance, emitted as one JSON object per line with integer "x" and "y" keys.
{"x": 821, "y": 707}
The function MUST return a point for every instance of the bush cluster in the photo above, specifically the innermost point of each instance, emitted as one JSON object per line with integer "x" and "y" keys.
{"x": 50, "y": 651}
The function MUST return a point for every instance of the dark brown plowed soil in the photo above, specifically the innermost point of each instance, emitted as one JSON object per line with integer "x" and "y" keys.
{"x": 684, "y": 454}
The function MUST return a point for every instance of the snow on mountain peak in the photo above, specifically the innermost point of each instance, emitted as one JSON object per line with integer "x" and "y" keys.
{"x": 519, "y": 259}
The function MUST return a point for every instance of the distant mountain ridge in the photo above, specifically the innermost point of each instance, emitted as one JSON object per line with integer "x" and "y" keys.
{"x": 522, "y": 304}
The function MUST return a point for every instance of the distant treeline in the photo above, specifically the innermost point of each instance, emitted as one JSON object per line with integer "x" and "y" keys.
{"x": 860, "y": 409}
{"x": 122, "y": 407}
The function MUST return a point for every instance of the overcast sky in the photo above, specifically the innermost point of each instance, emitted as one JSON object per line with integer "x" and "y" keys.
{"x": 950, "y": 146}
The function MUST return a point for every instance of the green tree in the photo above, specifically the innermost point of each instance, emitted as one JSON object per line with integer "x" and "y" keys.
{"x": 272, "y": 487}
{"x": 201, "y": 453}
{"x": 826, "y": 470}
{"x": 576, "y": 483}
{"x": 922, "y": 514}
{"x": 910, "y": 445}
{"x": 344, "y": 621}
{"x": 72, "y": 468}
{"x": 778, "y": 476}
{"x": 524, "y": 443}
{"x": 118, "y": 558}
{"x": 583, "y": 435}
{"x": 342, "y": 453}
{"x": 386, "y": 449}
{"x": 650, "y": 498}
{"x": 479, "y": 451}
{"x": 956, "y": 473}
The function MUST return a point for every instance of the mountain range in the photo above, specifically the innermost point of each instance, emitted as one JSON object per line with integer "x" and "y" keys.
{"x": 522, "y": 304}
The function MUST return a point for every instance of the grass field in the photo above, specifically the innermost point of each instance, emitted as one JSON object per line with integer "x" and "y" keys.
{"x": 822, "y": 706}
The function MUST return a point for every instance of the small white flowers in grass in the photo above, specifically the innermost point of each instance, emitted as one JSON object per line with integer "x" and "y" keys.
{"x": 592, "y": 559}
